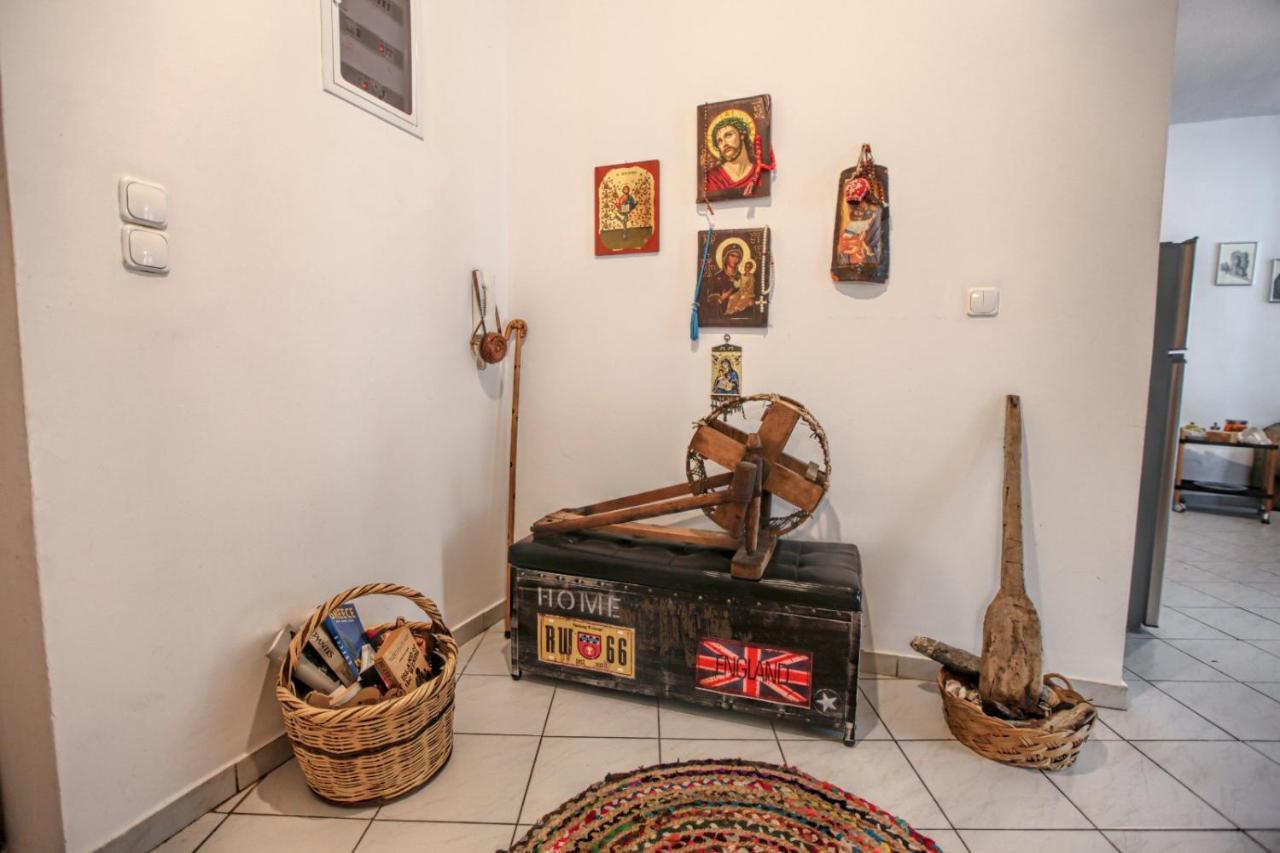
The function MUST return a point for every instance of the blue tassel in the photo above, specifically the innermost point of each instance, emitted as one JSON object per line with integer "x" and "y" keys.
{"x": 697, "y": 291}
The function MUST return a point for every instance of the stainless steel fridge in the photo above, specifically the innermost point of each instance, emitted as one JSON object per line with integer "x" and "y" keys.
{"x": 1164, "y": 403}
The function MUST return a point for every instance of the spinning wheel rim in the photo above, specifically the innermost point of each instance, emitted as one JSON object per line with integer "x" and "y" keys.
{"x": 696, "y": 462}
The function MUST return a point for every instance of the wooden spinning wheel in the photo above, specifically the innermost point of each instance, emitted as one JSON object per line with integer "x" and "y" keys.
{"x": 739, "y": 500}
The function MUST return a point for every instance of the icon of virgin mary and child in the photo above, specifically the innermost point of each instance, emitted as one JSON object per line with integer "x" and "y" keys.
{"x": 732, "y": 286}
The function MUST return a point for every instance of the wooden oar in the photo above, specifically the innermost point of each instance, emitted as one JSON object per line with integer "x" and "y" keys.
{"x": 1009, "y": 679}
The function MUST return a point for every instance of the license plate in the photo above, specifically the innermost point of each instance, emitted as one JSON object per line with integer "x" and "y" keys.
{"x": 586, "y": 645}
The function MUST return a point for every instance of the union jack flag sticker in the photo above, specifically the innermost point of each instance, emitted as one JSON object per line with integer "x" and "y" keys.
{"x": 734, "y": 668}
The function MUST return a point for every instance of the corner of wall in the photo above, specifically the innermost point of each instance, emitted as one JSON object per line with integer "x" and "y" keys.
{"x": 28, "y": 766}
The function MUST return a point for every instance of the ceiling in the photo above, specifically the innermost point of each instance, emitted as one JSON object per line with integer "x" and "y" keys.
{"x": 1227, "y": 60}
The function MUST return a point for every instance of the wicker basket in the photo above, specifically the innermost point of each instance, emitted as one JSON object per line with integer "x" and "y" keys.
{"x": 371, "y": 753}
{"x": 1049, "y": 744}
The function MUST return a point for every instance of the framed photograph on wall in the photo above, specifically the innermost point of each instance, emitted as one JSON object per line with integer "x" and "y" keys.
{"x": 1274, "y": 294}
{"x": 1235, "y": 263}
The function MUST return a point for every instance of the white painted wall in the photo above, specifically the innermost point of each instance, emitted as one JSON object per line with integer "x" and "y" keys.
{"x": 1222, "y": 182}
{"x": 1025, "y": 147}
{"x": 292, "y": 411}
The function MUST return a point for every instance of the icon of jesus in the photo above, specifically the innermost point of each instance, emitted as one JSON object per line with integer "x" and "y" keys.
{"x": 731, "y": 140}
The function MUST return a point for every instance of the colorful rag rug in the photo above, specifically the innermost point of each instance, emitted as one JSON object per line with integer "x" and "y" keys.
{"x": 720, "y": 806}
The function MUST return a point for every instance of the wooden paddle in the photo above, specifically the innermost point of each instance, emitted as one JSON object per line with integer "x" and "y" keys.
{"x": 1009, "y": 678}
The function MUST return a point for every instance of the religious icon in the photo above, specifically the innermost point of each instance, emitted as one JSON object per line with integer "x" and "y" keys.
{"x": 735, "y": 155}
{"x": 726, "y": 373}
{"x": 861, "y": 242}
{"x": 627, "y": 208}
{"x": 735, "y": 277}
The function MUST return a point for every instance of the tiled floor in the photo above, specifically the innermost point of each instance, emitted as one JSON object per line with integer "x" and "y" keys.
{"x": 1194, "y": 765}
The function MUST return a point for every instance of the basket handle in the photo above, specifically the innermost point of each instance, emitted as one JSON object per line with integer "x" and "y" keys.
{"x": 1058, "y": 681}
{"x": 325, "y": 610}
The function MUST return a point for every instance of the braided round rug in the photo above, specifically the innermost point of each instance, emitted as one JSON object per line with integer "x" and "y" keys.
{"x": 722, "y": 806}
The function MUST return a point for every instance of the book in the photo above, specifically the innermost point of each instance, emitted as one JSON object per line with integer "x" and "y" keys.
{"x": 347, "y": 631}
{"x": 324, "y": 646}
{"x": 399, "y": 660}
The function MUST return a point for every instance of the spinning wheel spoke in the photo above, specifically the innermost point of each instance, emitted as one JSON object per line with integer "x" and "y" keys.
{"x": 775, "y": 429}
{"x": 794, "y": 489}
{"x": 713, "y": 443}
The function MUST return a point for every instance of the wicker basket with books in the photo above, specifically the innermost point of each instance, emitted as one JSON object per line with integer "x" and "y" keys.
{"x": 372, "y": 749}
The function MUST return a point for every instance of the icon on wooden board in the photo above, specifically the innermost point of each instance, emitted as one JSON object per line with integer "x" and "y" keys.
{"x": 735, "y": 151}
{"x": 627, "y": 208}
{"x": 736, "y": 278}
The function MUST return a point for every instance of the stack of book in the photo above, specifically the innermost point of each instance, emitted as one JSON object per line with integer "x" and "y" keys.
{"x": 344, "y": 664}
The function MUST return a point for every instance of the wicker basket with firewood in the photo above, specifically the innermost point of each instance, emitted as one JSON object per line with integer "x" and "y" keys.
{"x": 1048, "y": 743}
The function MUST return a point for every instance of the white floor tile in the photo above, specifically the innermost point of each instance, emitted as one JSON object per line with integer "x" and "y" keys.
{"x": 241, "y": 833}
{"x": 567, "y": 766}
{"x": 1234, "y": 592}
{"x": 1175, "y": 625}
{"x": 1181, "y": 595}
{"x": 1239, "y": 782}
{"x": 1236, "y": 658}
{"x": 1156, "y": 660}
{"x": 193, "y": 835}
{"x": 682, "y": 720}
{"x": 1183, "y": 572}
{"x": 1045, "y": 841}
{"x": 493, "y": 657}
{"x": 1270, "y": 841}
{"x": 1269, "y": 646}
{"x": 500, "y": 705}
{"x": 948, "y": 840}
{"x": 877, "y": 772}
{"x": 1120, "y": 788}
{"x": 1271, "y": 688}
{"x": 285, "y": 792}
{"x": 466, "y": 650}
{"x": 708, "y": 750}
{"x": 390, "y": 836}
{"x": 1237, "y": 708}
{"x": 866, "y": 726}
{"x": 1183, "y": 842}
{"x": 596, "y": 712}
{"x": 911, "y": 710}
{"x": 1101, "y": 731}
{"x": 484, "y": 781}
{"x": 1269, "y": 748}
{"x": 1153, "y": 715}
{"x": 977, "y": 793}
{"x": 1237, "y": 623}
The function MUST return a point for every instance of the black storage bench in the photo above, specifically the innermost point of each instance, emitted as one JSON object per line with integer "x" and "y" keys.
{"x": 670, "y": 621}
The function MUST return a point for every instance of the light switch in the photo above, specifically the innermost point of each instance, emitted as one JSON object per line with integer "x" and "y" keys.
{"x": 984, "y": 301}
{"x": 145, "y": 250}
{"x": 143, "y": 203}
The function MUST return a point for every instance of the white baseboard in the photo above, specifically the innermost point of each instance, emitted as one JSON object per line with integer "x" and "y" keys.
{"x": 1104, "y": 694}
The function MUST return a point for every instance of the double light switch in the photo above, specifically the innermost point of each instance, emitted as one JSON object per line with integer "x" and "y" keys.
{"x": 145, "y": 208}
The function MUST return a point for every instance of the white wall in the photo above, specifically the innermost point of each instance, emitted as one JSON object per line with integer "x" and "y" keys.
{"x": 292, "y": 411}
{"x": 1025, "y": 147}
{"x": 1222, "y": 184}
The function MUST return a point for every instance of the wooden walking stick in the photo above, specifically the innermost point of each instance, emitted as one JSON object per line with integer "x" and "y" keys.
{"x": 1009, "y": 679}
{"x": 519, "y": 328}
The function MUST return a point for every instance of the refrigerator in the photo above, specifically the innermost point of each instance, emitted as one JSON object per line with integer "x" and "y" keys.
{"x": 1160, "y": 445}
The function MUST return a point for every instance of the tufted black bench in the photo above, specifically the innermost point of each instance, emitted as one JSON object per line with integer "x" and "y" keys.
{"x": 669, "y": 620}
